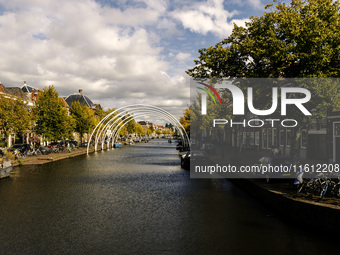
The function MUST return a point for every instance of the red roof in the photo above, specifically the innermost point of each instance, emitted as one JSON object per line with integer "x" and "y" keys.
{"x": 63, "y": 101}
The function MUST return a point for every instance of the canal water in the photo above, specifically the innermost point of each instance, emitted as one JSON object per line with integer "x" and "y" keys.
{"x": 137, "y": 200}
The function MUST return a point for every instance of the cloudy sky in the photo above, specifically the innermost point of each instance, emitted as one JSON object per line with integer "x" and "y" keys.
{"x": 119, "y": 52}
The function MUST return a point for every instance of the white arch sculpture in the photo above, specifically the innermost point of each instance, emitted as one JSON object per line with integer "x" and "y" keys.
{"x": 110, "y": 126}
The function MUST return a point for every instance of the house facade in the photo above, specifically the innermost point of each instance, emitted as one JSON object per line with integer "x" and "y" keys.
{"x": 318, "y": 140}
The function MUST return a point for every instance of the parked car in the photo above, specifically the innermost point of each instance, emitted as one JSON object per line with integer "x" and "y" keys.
{"x": 54, "y": 145}
{"x": 45, "y": 150}
{"x": 20, "y": 147}
{"x": 71, "y": 143}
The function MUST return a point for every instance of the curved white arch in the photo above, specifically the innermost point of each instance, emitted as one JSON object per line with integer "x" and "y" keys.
{"x": 110, "y": 126}
{"x": 118, "y": 128}
{"x": 118, "y": 117}
{"x": 116, "y": 120}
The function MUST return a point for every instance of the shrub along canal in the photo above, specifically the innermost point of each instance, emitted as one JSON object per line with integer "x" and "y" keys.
{"x": 137, "y": 200}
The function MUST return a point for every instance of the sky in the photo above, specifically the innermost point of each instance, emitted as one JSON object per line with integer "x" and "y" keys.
{"x": 118, "y": 52}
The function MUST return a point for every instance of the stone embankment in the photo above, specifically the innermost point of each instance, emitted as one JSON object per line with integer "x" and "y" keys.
{"x": 296, "y": 208}
{"x": 43, "y": 159}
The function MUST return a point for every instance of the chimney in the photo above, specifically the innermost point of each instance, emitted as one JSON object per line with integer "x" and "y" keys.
{"x": 80, "y": 91}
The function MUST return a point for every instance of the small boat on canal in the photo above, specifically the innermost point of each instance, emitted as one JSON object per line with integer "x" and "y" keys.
{"x": 5, "y": 168}
{"x": 118, "y": 145}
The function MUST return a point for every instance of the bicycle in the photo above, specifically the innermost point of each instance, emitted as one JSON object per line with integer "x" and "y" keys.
{"x": 19, "y": 154}
{"x": 334, "y": 187}
{"x": 33, "y": 152}
{"x": 55, "y": 149}
{"x": 316, "y": 186}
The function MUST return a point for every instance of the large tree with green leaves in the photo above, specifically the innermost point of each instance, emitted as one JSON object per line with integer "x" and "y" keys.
{"x": 300, "y": 39}
{"x": 84, "y": 118}
{"x": 15, "y": 116}
{"x": 51, "y": 115}
{"x": 185, "y": 120}
{"x": 139, "y": 129}
{"x": 131, "y": 126}
{"x": 296, "y": 40}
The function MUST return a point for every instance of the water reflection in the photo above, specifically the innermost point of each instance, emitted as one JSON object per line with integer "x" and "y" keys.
{"x": 137, "y": 200}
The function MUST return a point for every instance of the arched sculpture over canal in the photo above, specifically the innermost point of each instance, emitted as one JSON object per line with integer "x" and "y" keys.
{"x": 109, "y": 127}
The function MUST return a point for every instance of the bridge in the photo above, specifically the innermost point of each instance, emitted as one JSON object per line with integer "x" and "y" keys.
{"x": 108, "y": 129}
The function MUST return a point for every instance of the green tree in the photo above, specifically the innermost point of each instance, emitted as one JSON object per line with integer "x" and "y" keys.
{"x": 15, "y": 116}
{"x": 123, "y": 131}
{"x": 131, "y": 126}
{"x": 166, "y": 132}
{"x": 108, "y": 111}
{"x": 84, "y": 118}
{"x": 139, "y": 129}
{"x": 149, "y": 131}
{"x": 51, "y": 116}
{"x": 296, "y": 40}
{"x": 185, "y": 120}
{"x": 169, "y": 126}
{"x": 99, "y": 113}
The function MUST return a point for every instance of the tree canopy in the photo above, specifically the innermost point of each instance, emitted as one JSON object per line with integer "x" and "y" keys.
{"x": 51, "y": 116}
{"x": 15, "y": 115}
{"x": 296, "y": 40}
{"x": 139, "y": 129}
{"x": 84, "y": 118}
{"x": 185, "y": 120}
{"x": 300, "y": 39}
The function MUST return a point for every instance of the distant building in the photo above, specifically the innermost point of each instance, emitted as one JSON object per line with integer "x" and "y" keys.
{"x": 62, "y": 100}
{"x": 26, "y": 93}
{"x": 13, "y": 91}
{"x": 80, "y": 97}
{"x": 146, "y": 124}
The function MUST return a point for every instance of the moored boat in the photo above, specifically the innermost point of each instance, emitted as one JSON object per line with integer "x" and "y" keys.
{"x": 5, "y": 168}
{"x": 118, "y": 145}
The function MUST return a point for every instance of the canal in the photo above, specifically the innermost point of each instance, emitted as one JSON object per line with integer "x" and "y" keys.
{"x": 137, "y": 200}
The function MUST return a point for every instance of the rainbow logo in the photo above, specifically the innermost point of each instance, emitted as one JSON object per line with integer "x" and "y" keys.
{"x": 209, "y": 93}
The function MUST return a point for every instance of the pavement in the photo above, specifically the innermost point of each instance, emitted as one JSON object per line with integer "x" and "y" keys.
{"x": 44, "y": 159}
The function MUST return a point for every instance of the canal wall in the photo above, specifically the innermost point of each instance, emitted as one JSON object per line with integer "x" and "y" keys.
{"x": 43, "y": 159}
{"x": 304, "y": 213}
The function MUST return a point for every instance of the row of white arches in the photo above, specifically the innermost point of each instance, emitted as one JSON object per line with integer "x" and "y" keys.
{"x": 109, "y": 128}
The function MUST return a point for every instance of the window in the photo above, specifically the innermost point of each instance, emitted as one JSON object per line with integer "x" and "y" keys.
{"x": 274, "y": 137}
{"x": 337, "y": 129}
{"x": 312, "y": 126}
{"x": 288, "y": 137}
{"x": 257, "y": 138}
{"x": 264, "y": 138}
{"x": 251, "y": 138}
{"x": 303, "y": 138}
{"x": 282, "y": 136}
{"x": 270, "y": 137}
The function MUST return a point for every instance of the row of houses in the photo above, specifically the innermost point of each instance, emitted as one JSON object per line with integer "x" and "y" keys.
{"x": 318, "y": 140}
{"x": 30, "y": 94}
{"x": 147, "y": 124}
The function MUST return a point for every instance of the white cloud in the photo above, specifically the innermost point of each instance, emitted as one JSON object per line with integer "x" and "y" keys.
{"x": 183, "y": 56}
{"x": 257, "y": 4}
{"x": 136, "y": 53}
{"x": 208, "y": 17}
